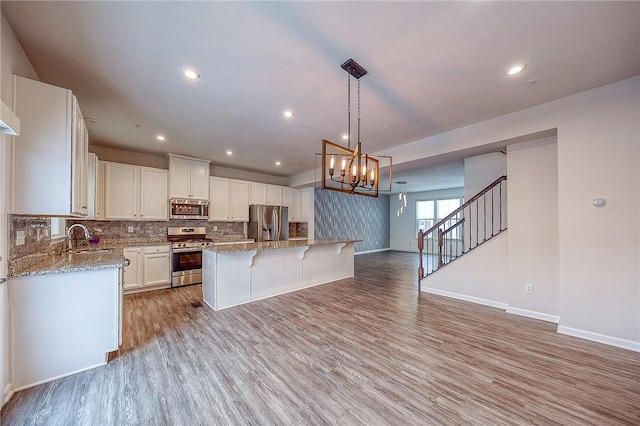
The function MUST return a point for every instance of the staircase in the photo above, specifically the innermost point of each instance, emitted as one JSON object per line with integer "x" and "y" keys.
{"x": 476, "y": 221}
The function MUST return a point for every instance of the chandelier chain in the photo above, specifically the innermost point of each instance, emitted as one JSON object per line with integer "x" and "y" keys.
{"x": 348, "y": 111}
{"x": 358, "y": 110}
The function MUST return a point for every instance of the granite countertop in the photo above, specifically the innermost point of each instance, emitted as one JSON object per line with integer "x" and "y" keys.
{"x": 45, "y": 264}
{"x": 268, "y": 245}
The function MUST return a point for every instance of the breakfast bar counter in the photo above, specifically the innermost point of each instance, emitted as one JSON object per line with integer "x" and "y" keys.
{"x": 243, "y": 273}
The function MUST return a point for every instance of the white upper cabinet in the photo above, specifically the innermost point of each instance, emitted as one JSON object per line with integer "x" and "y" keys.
{"x": 228, "y": 200}
{"x": 218, "y": 198}
{"x": 99, "y": 209}
{"x": 263, "y": 193}
{"x": 135, "y": 193}
{"x": 238, "y": 200}
{"x": 50, "y": 156}
{"x": 274, "y": 195}
{"x": 154, "y": 203}
{"x": 292, "y": 199}
{"x": 257, "y": 193}
{"x": 189, "y": 177}
{"x": 80, "y": 174}
{"x": 92, "y": 186}
{"x": 122, "y": 188}
{"x": 306, "y": 204}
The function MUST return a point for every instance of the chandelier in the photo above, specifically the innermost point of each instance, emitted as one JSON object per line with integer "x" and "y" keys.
{"x": 402, "y": 197}
{"x": 358, "y": 173}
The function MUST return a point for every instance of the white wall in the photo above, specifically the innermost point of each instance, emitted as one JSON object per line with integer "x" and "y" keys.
{"x": 487, "y": 281}
{"x": 481, "y": 170}
{"x": 14, "y": 61}
{"x": 599, "y": 248}
{"x": 598, "y": 156}
{"x": 533, "y": 226}
{"x": 402, "y": 231}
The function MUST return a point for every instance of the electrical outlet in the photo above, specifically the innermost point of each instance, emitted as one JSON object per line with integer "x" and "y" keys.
{"x": 215, "y": 227}
{"x": 130, "y": 229}
{"x": 38, "y": 234}
{"x": 528, "y": 288}
{"x": 20, "y": 238}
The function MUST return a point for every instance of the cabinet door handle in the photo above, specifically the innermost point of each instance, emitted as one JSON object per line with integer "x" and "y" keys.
{"x": 84, "y": 207}
{"x": 3, "y": 280}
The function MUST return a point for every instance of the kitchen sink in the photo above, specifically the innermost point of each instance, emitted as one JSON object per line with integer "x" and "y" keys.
{"x": 94, "y": 251}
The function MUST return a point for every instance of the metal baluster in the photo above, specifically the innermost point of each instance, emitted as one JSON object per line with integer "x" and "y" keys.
{"x": 420, "y": 268}
{"x": 477, "y": 223}
{"x": 484, "y": 218}
{"x": 492, "y": 205}
{"x": 501, "y": 205}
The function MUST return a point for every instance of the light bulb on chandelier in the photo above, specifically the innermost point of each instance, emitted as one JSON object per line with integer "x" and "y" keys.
{"x": 402, "y": 197}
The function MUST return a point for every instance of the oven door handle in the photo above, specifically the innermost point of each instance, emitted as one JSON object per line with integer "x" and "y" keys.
{"x": 186, "y": 250}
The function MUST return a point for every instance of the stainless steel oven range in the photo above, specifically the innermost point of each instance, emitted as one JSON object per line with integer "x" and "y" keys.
{"x": 186, "y": 254}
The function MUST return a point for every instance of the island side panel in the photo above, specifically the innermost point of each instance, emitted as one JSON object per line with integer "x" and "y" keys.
{"x": 62, "y": 324}
{"x": 320, "y": 265}
{"x": 346, "y": 261}
{"x": 209, "y": 278}
{"x": 276, "y": 272}
{"x": 226, "y": 278}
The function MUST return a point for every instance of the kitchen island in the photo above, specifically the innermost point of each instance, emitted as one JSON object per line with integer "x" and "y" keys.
{"x": 243, "y": 273}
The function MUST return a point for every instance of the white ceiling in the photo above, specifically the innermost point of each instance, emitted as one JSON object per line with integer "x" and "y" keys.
{"x": 433, "y": 67}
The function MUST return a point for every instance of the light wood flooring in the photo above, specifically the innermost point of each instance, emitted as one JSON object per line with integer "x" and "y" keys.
{"x": 369, "y": 350}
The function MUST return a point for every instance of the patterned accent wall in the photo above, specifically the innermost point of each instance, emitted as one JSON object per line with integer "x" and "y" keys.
{"x": 341, "y": 215}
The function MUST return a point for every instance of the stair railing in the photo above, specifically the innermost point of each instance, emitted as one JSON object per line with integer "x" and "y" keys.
{"x": 476, "y": 221}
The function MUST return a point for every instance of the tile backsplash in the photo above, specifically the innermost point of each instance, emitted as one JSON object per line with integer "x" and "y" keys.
{"x": 37, "y": 231}
{"x": 115, "y": 229}
{"x": 37, "y": 235}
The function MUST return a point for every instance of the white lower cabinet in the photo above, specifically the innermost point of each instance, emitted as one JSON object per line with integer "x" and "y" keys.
{"x": 156, "y": 266}
{"x": 133, "y": 272}
{"x": 149, "y": 268}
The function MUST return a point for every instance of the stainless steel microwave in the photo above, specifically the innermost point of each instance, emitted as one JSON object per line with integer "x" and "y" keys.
{"x": 184, "y": 208}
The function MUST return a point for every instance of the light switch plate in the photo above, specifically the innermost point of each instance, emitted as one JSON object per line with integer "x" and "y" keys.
{"x": 20, "y": 238}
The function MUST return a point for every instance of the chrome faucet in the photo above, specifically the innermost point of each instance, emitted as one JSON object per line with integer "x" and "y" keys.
{"x": 87, "y": 235}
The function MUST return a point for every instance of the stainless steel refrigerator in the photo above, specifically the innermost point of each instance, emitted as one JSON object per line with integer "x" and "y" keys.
{"x": 268, "y": 223}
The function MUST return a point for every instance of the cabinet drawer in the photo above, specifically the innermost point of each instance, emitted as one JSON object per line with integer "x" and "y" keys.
{"x": 156, "y": 249}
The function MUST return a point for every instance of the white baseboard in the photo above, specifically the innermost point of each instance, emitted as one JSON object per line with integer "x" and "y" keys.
{"x": 8, "y": 393}
{"x": 371, "y": 251}
{"x": 466, "y": 298}
{"x": 582, "y": 334}
{"x": 100, "y": 364}
{"x": 600, "y": 338}
{"x": 533, "y": 314}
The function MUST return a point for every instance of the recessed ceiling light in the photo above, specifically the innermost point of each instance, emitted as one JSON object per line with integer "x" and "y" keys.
{"x": 288, "y": 113}
{"x": 229, "y": 152}
{"x": 345, "y": 137}
{"x": 278, "y": 163}
{"x": 161, "y": 138}
{"x": 191, "y": 74}
{"x": 516, "y": 69}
